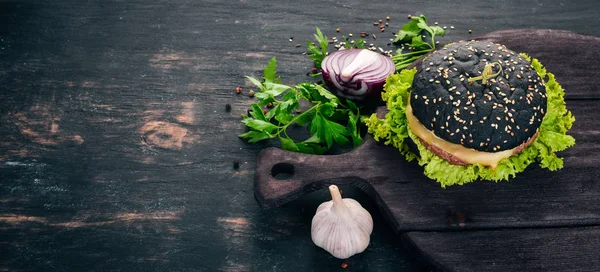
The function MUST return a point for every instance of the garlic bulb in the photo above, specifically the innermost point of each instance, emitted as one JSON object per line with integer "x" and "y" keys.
{"x": 341, "y": 226}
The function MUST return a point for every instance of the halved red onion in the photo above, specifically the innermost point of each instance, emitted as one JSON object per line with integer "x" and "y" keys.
{"x": 356, "y": 74}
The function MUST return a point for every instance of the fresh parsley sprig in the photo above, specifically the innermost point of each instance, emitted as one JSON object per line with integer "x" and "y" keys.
{"x": 328, "y": 119}
{"x": 359, "y": 43}
{"x": 318, "y": 53}
{"x": 412, "y": 34}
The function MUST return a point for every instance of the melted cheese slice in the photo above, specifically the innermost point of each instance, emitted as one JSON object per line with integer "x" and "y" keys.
{"x": 468, "y": 155}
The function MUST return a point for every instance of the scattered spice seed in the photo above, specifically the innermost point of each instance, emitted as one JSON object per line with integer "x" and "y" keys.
{"x": 374, "y": 37}
{"x": 298, "y": 45}
{"x": 251, "y": 93}
{"x": 337, "y": 29}
{"x": 265, "y": 111}
{"x": 375, "y": 23}
{"x": 382, "y": 29}
{"x": 238, "y": 90}
{"x": 470, "y": 31}
{"x": 344, "y": 265}
{"x": 363, "y": 34}
{"x": 314, "y": 70}
{"x": 380, "y": 21}
{"x": 387, "y": 18}
{"x": 269, "y": 105}
{"x": 331, "y": 41}
{"x": 227, "y": 107}
{"x": 409, "y": 16}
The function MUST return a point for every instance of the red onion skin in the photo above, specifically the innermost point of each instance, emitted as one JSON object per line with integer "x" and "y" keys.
{"x": 374, "y": 87}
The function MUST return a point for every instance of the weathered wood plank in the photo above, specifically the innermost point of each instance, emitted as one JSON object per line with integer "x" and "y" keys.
{"x": 557, "y": 249}
{"x": 116, "y": 150}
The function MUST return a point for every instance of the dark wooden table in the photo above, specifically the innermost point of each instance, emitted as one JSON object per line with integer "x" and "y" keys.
{"x": 117, "y": 153}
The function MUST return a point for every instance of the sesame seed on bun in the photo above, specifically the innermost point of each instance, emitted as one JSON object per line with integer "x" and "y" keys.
{"x": 479, "y": 95}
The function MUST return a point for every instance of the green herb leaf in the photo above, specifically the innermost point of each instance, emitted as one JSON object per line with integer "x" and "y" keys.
{"x": 422, "y": 25}
{"x": 353, "y": 129}
{"x": 327, "y": 109}
{"x": 269, "y": 91}
{"x": 284, "y": 117}
{"x": 438, "y": 30}
{"x": 339, "y": 132}
{"x": 325, "y": 96}
{"x": 288, "y": 144}
{"x": 315, "y": 53}
{"x": 270, "y": 114}
{"x": 255, "y": 136}
{"x": 257, "y": 113}
{"x": 311, "y": 148}
{"x": 305, "y": 117}
{"x": 259, "y": 125}
{"x": 418, "y": 43}
{"x": 323, "y": 41}
{"x": 411, "y": 29}
{"x": 328, "y": 131}
{"x": 275, "y": 89}
{"x": 255, "y": 81}
{"x": 359, "y": 43}
{"x": 269, "y": 73}
{"x": 411, "y": 34}
{"x": 351, "y": 105}
{"x": 314, "y": 139}
{"x": 264, "y": 98}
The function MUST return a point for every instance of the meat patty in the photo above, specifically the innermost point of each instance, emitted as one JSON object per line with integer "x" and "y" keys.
{"x": 454, "y": 160}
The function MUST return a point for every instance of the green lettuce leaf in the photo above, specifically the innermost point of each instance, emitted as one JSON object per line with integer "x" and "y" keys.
{"x": 393, "y": 130}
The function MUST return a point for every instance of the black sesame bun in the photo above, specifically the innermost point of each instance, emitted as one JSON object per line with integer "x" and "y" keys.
{"x": 479, "y": 95}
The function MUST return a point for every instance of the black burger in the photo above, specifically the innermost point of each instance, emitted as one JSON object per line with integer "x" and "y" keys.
{"x": 475, "y": 109}
{"x": 476, "y": 102}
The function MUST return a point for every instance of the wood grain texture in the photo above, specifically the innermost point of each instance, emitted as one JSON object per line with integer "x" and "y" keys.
{"x": 116, "y": 151}
{"x": 558, "y": 249}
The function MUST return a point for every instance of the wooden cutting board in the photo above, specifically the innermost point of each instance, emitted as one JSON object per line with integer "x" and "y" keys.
{"x": 547, "y": 249}
{"x": 412, "y": 202}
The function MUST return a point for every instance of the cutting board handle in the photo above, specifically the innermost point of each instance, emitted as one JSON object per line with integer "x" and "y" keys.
{"x": 282, "y": 176}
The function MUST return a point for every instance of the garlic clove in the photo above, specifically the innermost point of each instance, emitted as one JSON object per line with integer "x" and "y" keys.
{"x": 341, "y": 226}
